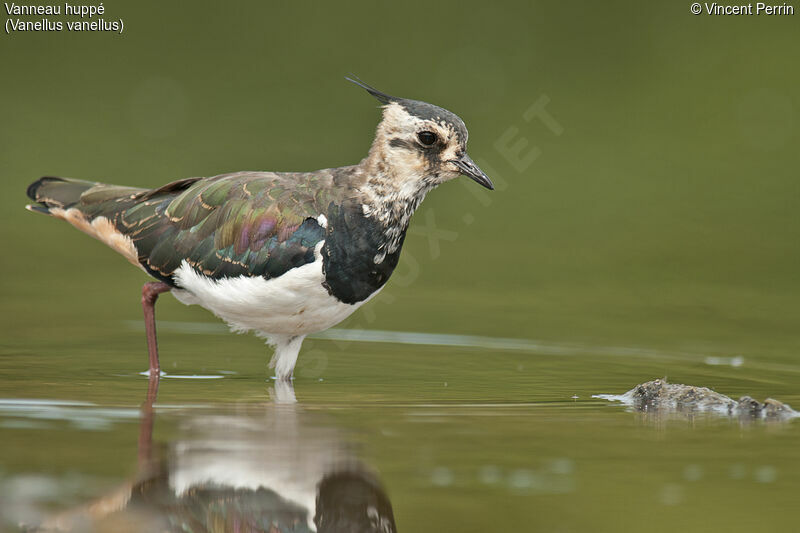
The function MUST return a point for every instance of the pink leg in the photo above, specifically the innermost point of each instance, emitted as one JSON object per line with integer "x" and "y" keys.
{"x": 150, "y": 293}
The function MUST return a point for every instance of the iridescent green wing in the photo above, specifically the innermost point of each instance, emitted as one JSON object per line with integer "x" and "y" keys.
{"x": 248, "y": 223}
{"x": 251, "y": 224}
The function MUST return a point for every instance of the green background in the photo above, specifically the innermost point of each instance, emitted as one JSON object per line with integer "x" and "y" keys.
{"x": 657, "y": 225}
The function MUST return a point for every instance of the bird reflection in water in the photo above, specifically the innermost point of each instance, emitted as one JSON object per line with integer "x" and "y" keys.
{"x": 256, "y": 469}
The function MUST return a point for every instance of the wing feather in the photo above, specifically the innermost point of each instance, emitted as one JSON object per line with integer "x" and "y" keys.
{"x": 243, "y": 224}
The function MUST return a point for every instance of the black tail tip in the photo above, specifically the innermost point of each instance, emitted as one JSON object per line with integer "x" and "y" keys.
{"x": 38, "y": 209}
{"x": 33, "y": 187}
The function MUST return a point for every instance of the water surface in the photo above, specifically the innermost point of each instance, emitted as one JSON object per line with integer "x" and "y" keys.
{"x": 443, "y": 439}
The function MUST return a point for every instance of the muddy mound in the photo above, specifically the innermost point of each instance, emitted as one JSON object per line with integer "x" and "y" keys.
{"x": 663, "y": 396}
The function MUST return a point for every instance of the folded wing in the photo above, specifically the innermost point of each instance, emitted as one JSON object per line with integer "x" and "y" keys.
{"x": 248, "y": 223}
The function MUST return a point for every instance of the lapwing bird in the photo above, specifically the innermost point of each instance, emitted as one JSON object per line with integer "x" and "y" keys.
{"x": 284, "y": 254}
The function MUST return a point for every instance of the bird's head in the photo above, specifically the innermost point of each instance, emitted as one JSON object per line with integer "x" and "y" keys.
{"x": 421, "y": 145}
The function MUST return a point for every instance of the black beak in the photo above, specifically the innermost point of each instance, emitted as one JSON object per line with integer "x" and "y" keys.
{"x": 470, "y": 169}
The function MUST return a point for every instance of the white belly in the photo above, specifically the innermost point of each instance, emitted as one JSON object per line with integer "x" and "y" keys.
{"x": 293, "y": 304}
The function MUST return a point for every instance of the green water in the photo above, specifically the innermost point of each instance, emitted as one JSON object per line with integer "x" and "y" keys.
{"x": 648, "y": 228}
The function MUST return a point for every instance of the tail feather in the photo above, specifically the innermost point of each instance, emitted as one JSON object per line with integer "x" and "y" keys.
{"x": 34, "y": 187}
{"x": 56, "y": 192}
{"x": 38, "y": 209}
{"x": 89, "y": 206}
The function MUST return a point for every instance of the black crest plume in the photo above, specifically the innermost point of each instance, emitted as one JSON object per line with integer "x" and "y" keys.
{"x": 380, "y": 96}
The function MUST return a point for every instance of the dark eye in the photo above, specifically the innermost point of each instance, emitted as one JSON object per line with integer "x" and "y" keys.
{"x": 426, "y": 137}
